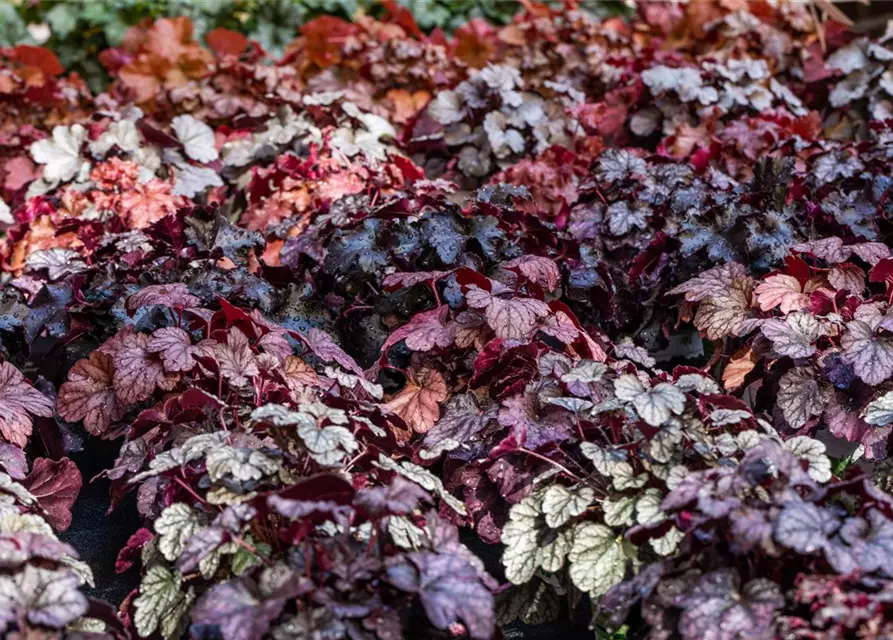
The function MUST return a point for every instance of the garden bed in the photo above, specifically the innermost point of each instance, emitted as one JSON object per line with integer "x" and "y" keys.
{"x": 558, "y": 324}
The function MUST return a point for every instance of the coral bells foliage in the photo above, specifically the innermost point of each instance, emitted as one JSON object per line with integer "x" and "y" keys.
{"x": 609, "y": 297}
{"x": 767, "y": 553}
{"x": 267, "y": 480}
{"x": 42, "y": 579}
{"x": 809, "y": 337}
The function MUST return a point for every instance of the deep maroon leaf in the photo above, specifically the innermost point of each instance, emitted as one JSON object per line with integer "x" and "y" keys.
{"x": 55, "y": 484}
{"x": 130, "y": 553}
{"x": 399, "y": 498}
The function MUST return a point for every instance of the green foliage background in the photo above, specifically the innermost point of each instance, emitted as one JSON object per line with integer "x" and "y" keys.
{"x": 80, "y": 29}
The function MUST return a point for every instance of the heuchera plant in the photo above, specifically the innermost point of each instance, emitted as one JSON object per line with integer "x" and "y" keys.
{"x": 769, "y": 552}
{"x": 809, "y": 338}
{"x": 42, "y": 578}
{"x": 344, "y": 310}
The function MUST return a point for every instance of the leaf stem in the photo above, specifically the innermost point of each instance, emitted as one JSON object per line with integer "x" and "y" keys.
{"x": 190, "y": 490}
{"x": 557, "y": 465}
{"x": 353, "y": 460}
{"x": 250, "y": 548}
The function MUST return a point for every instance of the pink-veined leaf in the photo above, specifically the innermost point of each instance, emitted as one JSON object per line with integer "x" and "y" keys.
{"x": 712, "y": 283}
{"x": 275, "y": 344}
{"x": 538, "y": 270}
{"x": 175, "y": 296}
{"x": 237, "y": 361}
{"x": 402, "y": 280}
{"x": 833, "y": 251}
{"x": 89, "y": 394}
{"x": 871, "y": 252}
{"x": 830, "y": 250}
{"x": 18, "y": 402}
{"x": 137, "y": 372}
{"x": 322, "y": 345}
{"x": 847, "y": 277}
{"x": 175, "y": 348}
{"x": 424, "y": 331}
{"x": 510, "y": 318}
{"x": 561, "y": 327}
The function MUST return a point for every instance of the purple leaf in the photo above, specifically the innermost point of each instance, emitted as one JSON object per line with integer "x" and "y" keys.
{"x": 450, "y": 591}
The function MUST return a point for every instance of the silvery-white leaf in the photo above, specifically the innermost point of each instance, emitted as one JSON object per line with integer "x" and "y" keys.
{"x": 57, "y": 261}
{"x": 122, "y": 134}
{"x": 813, "y": 452}
{"x": 197, "y": 138}
{"x": 697, "y": 383}
{"x": 5, "y": 213}
{"x": 724, "y": 417}
{"x": 61, "y": 154}
{"x": 561, "y": 503}
{"x": 191, "y": 180}
{"x": 575, "y": 405}
{"x": 585, "y": 371}
{"x": 880, "y": 410}
{"x": 597, "y": 558}
{"x": 322, "y": 98}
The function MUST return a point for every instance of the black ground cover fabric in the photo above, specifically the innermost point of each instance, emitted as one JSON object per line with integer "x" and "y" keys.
{"x": 97, "y": 535}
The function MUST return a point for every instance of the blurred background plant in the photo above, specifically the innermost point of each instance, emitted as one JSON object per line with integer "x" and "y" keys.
{"x": 77, "y": 30}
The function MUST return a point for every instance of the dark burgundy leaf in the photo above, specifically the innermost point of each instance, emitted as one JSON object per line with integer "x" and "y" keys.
{"x": 399, "y": 498}
{"x": 55, "y": 484}
{"x": 130, "y": 553}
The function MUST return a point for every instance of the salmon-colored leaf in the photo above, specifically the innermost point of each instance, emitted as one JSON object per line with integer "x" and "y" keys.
{"x": 419, "y": 401}
{"x": 743, "y": 361}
